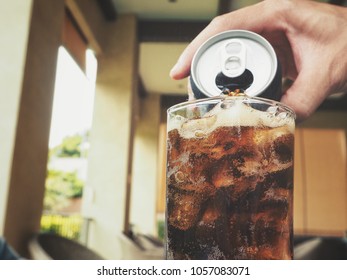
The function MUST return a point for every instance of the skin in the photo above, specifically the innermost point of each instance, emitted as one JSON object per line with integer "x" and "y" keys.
{"x": 310, "y": 39}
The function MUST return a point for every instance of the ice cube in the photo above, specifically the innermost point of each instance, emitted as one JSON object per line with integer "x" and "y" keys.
{"x": 279, "y": 175}
{"x": 251, "y": 166}
{"x": 231, "y": 175}
{"x": 173, "y": 145}
{"x": 283, "y": 148}
{"x": 191, "y": 173}
{"x": 223, "y": 174}
{"x": 184, "y": 209}
{"x": 206, "y": 227}
{"x": 210, "y": 215}
{"x": 200, "y": 126}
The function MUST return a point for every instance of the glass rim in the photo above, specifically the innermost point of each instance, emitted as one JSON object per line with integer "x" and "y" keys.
{"x": 216, "y": 99}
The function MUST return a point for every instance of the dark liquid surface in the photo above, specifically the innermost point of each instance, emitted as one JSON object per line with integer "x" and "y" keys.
{"x": 229, "y": 194}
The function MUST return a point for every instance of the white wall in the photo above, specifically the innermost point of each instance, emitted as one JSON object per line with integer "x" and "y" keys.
{"x": 145, "y": 167}
{"x": 110, "y": 142}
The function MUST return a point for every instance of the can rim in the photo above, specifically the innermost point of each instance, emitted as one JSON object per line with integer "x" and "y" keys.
{"x": 240, "y": 33}
{"x": 245, "y": 98}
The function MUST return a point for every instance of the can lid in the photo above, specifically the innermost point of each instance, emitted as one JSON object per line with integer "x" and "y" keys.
{"x": 232, "y": 58}
{"x": 230, "y": 54}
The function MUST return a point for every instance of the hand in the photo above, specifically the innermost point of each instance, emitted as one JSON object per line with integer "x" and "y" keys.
{"x": 310, "y": 39}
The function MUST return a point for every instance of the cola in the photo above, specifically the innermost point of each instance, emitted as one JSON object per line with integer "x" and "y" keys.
{"x": 230, "y": 179}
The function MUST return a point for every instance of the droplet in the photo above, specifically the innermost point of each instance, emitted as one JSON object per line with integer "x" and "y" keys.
{"x": 272, "y": 110}
{"x": 282, "y": 115}
{"x": 179, "y": 176}
{"x": 179, "y": 118}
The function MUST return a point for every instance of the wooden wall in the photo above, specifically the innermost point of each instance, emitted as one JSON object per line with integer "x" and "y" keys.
{"x": 320, "y": 199}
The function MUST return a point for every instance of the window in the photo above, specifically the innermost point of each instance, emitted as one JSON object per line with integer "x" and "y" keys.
{"x": 69, "y": 135}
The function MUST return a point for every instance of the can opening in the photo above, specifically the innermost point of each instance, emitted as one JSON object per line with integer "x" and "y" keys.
{"x": 241, "y": 82}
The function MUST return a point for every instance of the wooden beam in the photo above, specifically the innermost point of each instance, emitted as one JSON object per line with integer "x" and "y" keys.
{"x": 74, "y": 40}
{"x": 108, "y": 9}
{"x": 169, "y": 31}
{"x": 90, "y": 21}
{"x": 176, "y": 31}
{"x": 141, "y": 89}
{"x": 224, "y": 6}
{"x": 338, "y": 2}
{"x": 335, "y": 104}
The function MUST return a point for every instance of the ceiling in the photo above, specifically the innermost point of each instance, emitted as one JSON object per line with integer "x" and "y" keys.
{"x": 169, "y": 9}
{"x": 158, "y": 56}
{"x": 166, "y": 27}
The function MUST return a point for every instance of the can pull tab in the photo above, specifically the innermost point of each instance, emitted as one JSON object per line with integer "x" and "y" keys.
{"x": 233, "y": 58}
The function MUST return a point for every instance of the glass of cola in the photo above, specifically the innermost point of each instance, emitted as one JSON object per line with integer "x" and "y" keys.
{"x": 230, "y": 179}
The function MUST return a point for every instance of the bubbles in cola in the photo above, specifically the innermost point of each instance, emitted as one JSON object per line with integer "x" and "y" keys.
{"x": 230, "y": 180}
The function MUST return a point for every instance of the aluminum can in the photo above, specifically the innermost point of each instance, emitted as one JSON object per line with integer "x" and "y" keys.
{"x": 236, "y": 60}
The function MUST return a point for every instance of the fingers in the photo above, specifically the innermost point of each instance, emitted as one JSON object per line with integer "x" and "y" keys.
{"x": 182, "y": 67}
{"x": 305, "y": 94}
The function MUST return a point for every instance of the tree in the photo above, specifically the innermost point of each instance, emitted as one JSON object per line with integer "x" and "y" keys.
{"x": 71, "y": 146}
{"x": 60, "y": 188}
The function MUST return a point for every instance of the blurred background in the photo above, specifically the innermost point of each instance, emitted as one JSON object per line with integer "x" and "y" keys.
{"x": 84, "y": 91}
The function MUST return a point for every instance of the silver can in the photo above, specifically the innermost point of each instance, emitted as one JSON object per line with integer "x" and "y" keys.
{"x": 236, "y": 60}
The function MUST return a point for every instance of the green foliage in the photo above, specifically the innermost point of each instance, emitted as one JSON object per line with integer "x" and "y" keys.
{"x": 66, "y": 226}
{"x": 71, "y": 146}
{"x": 60, "y": 188}
{"x": 161, "y": 229}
